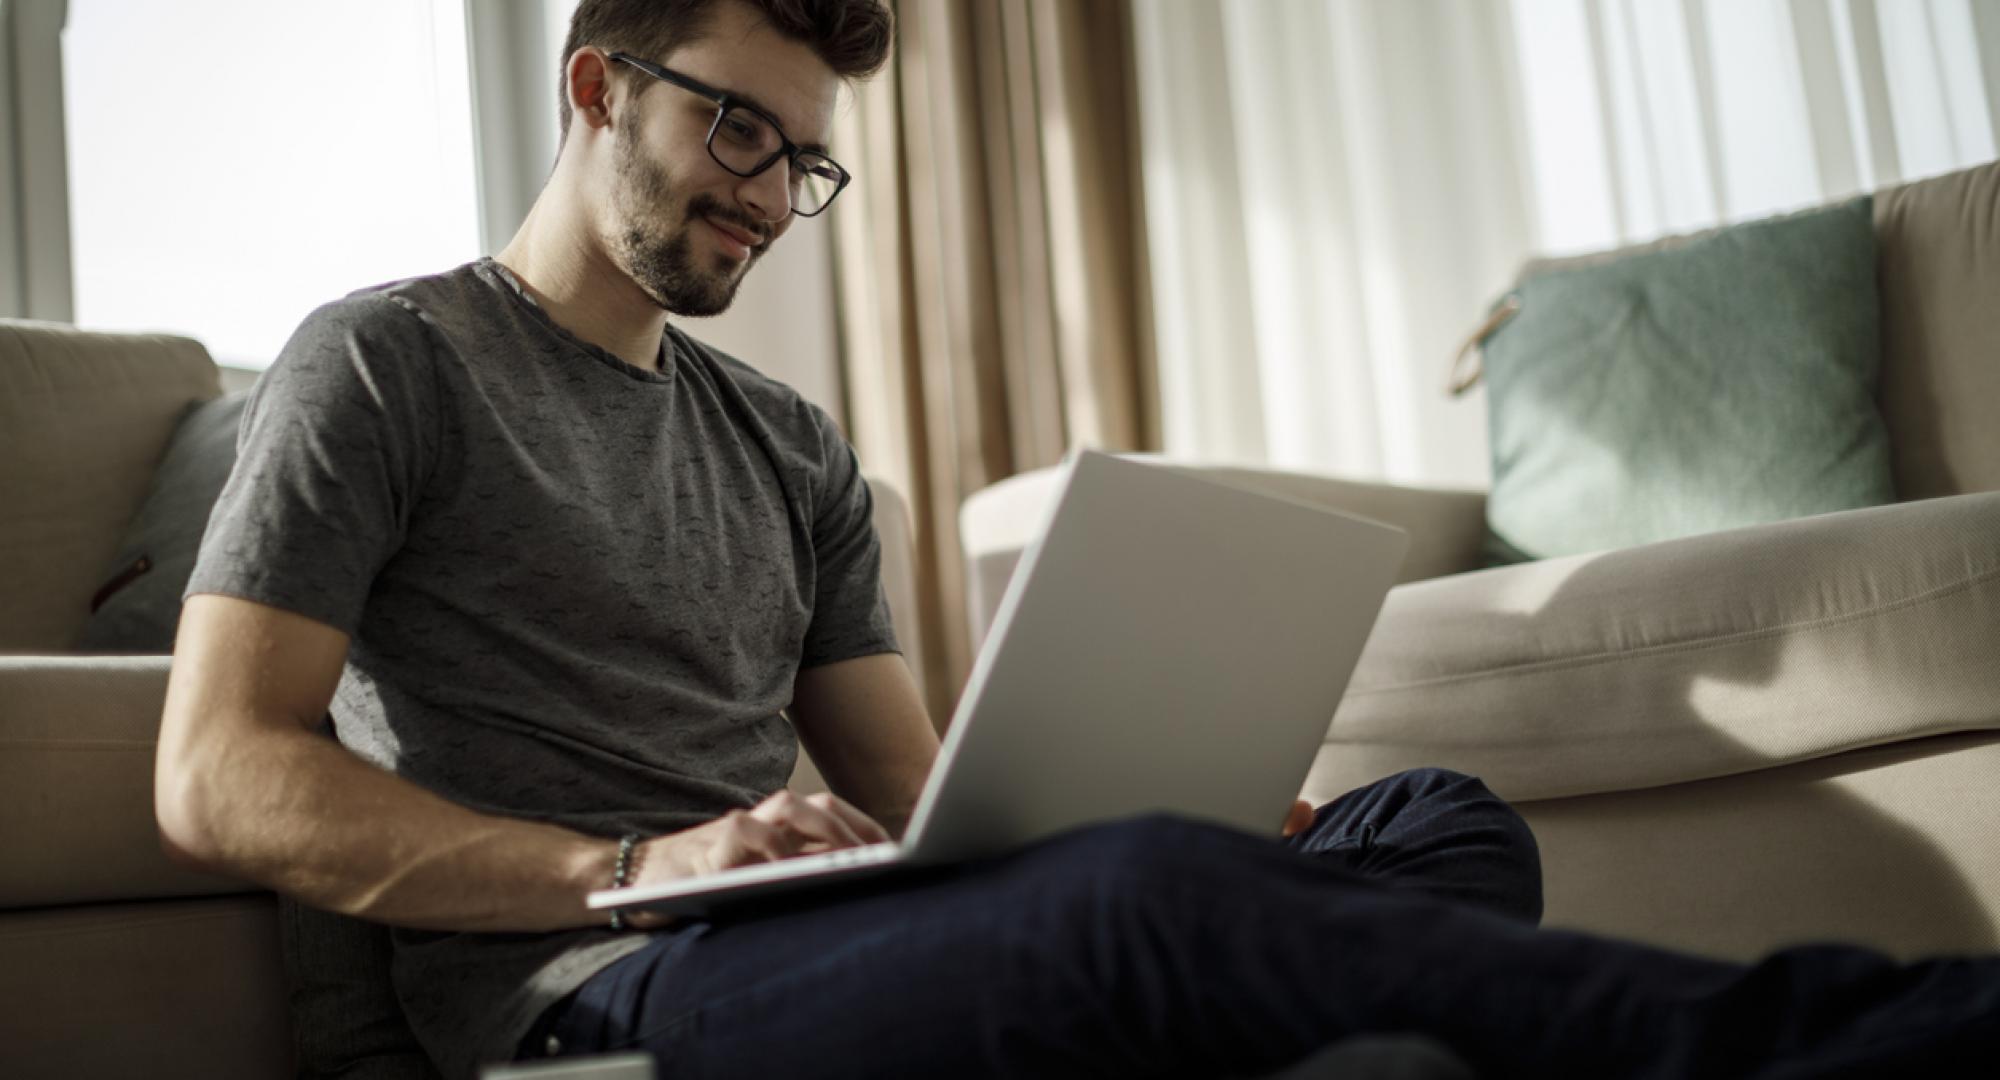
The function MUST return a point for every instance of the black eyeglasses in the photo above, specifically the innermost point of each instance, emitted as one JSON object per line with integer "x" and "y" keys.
{"x": 745, "y": 140}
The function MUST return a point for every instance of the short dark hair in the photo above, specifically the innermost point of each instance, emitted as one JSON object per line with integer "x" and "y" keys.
{"x": 851, "y": 36}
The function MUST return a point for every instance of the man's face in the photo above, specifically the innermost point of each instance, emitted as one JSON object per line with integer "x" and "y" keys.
{"x": 685, "y": 229}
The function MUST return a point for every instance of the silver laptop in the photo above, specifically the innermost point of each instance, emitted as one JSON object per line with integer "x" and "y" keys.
{"x": 1167, "y": 643}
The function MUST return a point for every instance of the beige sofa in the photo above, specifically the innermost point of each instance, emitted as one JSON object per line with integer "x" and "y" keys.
{"x": 115, "y": 962}
{"x": 1725, "y": 743}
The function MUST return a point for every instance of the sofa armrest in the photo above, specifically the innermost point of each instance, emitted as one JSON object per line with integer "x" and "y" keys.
{"x": 1684, "y": 660}
{"x": 77, "y": 740}
{"x": 899, "y": 571}
{"x": 997, "y": 523}
{"x": 1446, "y": 527}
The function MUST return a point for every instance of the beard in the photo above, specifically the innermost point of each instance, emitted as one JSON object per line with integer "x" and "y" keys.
{"x": 659, "y": 258}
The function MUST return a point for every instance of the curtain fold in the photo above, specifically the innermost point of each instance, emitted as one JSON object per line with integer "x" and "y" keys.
{"x": 1338, "y": 189}
{"x": 990, "y": 272}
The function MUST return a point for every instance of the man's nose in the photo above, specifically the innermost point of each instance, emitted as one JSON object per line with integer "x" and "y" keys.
{"x": 768, "y": 194}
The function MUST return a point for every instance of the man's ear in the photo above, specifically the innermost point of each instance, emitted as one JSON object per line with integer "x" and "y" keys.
{"x": 587, "y": 79}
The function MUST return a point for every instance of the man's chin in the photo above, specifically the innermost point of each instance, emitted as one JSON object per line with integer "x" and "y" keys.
{"x": 700, "y": 303}
{"x": 675, "y": 294}
{"x": 719, "y": 291}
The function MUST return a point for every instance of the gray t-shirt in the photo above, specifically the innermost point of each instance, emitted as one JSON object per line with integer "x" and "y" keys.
{"x": 577, "y": 591}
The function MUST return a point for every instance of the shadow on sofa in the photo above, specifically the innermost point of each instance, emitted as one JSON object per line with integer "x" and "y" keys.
{"x": 1727, "y": 743}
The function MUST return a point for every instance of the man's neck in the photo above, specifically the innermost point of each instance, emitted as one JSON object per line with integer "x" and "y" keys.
{"x": 581, "y": 289}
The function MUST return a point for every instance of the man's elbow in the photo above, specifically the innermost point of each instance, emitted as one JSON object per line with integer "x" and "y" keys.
{"x": 184, "y": 835}
{"x": 180, "y": 853}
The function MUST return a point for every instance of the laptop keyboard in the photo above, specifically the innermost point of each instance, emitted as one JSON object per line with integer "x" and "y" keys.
{"x": 863, "y": 855}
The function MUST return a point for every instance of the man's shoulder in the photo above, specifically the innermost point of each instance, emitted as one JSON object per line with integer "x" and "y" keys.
{"x": 397, "y": 313}
{"x": 430, "y": 298}
{"x": 382, "y": 334}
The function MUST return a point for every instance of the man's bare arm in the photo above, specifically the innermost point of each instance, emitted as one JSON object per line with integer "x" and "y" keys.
{"x": 245, "y": 786}
{"x": 865, "y": 725}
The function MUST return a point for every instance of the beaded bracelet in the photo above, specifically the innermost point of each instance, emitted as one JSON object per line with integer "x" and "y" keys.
{"x": 619, "y": 874}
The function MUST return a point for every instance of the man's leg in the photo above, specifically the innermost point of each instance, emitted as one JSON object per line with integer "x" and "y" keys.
{"x": 1163, "y": 947}
{"x": 1437, "y": 832}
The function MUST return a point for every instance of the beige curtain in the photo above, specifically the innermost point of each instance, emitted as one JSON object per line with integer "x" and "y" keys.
{"x": 989, "y": 269}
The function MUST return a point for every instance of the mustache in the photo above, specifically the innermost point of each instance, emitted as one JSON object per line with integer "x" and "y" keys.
{"x": 708, "y": 206}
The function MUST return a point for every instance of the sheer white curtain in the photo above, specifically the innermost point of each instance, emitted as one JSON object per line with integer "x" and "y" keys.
{"x": 1336, "y": 189}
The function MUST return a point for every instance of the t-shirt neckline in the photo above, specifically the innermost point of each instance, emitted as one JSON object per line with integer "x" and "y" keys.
{"x": 497, "y": 273}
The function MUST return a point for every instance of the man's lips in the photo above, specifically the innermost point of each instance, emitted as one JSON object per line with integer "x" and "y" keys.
{"x": 741, "y": 241}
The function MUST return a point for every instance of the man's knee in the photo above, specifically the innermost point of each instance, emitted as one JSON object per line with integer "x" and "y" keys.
{"x": 1431, "y": 781}
{"x": 1430, "y": 791}
{"x": 1440, "y": 811}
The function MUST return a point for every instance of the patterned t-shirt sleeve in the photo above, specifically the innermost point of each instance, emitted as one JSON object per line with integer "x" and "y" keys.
{"x": 336, "y": 442}
{"x": 850, "y": 611}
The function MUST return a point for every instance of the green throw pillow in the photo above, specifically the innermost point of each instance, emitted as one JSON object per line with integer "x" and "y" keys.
{"x": 1724, "y": 382}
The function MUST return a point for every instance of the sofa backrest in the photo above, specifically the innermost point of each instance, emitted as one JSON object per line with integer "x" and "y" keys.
{"x": 84, "y": 420}
{"x": 1937, "y": 260}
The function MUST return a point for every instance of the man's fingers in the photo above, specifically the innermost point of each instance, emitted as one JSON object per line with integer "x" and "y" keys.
{"x": 1300, "y": 819}
{"x": 647, "y": 920}
{"x": 782, "y": 826}
{"x": 757, "y": 840}
{"x": 865, "y": 827}
{"x": 807, "y": 819}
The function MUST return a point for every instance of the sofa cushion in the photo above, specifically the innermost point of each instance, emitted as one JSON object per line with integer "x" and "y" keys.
{"x": 139, "y": 604}
{"x": 84, "y": 418}
{"x": 1686, "y": 659}
{"x": 77, "y": 741}
{"x": 1726, "y": 381}
{"x": 1938, "y": 266}
{"x": 160, "y": 988}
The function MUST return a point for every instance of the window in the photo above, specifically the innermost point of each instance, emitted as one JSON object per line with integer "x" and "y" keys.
{"x": 234, "y": 164}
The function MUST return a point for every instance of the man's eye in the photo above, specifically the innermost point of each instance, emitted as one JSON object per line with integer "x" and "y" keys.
{"x": 740, "y": 128}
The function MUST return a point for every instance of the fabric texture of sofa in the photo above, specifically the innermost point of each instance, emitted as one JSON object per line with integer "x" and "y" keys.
{"x": 115, "y": 961}
{"x": 1731, "y": 742}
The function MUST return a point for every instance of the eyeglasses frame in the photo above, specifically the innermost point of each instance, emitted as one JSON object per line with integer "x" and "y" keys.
{"x": 725, "y": 101}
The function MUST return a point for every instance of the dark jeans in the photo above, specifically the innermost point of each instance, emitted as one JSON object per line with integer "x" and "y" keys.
{"x": 1162, "y": 947}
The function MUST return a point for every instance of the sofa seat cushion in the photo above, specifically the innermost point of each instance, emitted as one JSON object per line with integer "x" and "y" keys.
{"x": 161, "y": 988}
{"x": 1687, "y": 659}
{"x": 77, "y": 741}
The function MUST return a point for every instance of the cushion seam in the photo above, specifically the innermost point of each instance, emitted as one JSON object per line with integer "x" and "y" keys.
{"x": 130, "y": 915}
{"x": 1612, "y": 655}
{"x": 79, "y": 744}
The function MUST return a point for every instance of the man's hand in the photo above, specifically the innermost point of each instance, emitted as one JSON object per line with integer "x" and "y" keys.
{"x": 780, "y": 827}
{"x": 1300, "y": 819}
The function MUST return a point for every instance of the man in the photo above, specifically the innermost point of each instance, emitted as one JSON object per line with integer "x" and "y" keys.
{"x": 554, "y": 568}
